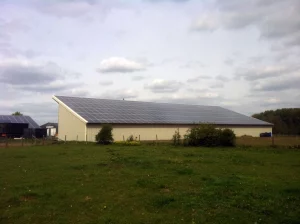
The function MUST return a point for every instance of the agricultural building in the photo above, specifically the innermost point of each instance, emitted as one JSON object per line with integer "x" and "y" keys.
{"x": 81, "y": 119}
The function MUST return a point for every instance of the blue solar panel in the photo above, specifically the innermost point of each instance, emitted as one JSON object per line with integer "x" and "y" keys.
{"x": 5, "y": 119}
{"x": 129, "y": 112}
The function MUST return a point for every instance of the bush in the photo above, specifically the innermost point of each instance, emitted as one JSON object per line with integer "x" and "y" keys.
{"x": 208, "y": 135}
{"x": 130, "y": 143}
{"x": 176, "y": 138}
{"x": 227, "y": 137}
{"x": 130, "y": 138}
{"x": 105, "y": 135}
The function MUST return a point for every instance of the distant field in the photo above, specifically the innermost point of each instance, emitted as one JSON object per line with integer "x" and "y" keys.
{"x": 241, "y": 141}
{"x": 278, "y": 140}
{"x": 148, "y": 184}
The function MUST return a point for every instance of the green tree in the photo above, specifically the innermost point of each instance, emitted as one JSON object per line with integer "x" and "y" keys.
{"x": 17, "y": 113}
{"x": 105, "y": 135}
{"x": 286, "y": 121}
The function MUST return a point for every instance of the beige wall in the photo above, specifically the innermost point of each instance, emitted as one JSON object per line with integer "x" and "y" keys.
{"x": 163, "y": 132}
{"x": 70, "y": 125}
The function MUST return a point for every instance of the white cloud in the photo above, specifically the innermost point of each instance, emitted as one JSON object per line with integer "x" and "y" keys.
{"x": 163, "y": 86}
{"x": 119, "y": 65}
{"x": 120, "y": 94}
{"x": 204, "y": 24}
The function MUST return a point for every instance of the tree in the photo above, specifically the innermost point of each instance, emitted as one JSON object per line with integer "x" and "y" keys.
{"x": 17, "y": 113}
{"x": 105, "y": 135}
{"x": 286, "y": 121}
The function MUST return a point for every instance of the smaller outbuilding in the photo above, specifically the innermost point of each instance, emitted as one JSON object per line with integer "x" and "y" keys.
{"x": 52, "y": 129}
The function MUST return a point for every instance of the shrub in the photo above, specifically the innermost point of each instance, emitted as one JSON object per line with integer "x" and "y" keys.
{"x": 176, "y": 138}
{"x": 227, "y": 137}
{"x": 208, "y": 135}
{"x": 105, "y": 135}
{"x": 130, "y": 143}
{"x": 130, "y": 138}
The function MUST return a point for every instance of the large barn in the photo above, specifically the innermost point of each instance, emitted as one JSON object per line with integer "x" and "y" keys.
{"x": 81, "y": 119}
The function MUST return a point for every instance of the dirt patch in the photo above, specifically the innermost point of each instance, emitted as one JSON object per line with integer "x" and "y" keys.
{"x": 165, "y": 190}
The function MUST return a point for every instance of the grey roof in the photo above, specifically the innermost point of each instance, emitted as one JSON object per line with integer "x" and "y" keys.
{"x": 19, "y": 120}
{"x": 49, "y": 124}
{"x": 135, "y": 112}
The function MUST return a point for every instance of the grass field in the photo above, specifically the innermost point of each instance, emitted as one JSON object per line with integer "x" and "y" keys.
{"x": 78, "y": 183}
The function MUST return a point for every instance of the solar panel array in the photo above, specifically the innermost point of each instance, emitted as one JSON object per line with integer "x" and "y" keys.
{"x": 18, "y": 120}
{"x": 135, "y": 112}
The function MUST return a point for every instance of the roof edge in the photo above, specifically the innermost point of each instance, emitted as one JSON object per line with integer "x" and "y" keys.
{"x": 230, "y": 125}
{"x": 72, "y": 111}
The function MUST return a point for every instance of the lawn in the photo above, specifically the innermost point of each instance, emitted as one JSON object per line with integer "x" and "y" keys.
{"x": 78, "y": 183}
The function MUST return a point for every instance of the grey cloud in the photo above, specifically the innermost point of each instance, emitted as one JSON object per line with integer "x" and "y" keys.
{"x": 159, "y": 1}
{"x": 120, "y": 94}
{"x": 8, "y": 51}
{"x": 41, "y": 112}
{"x": 106, "y": 83}
{"x": 138, "y": 78}
{"x": 198, "y": 78}
{"x": 191, "y": 100}
{"x": 269, "y": 18}
{"x": 256, "y": 73}
{"x": 217, "y": 85}
{"x": 192, "y": 64}
{"x": 16, "y": 75}
{"x": 280, "y": 84}
{"x": 49, "y": 88}
{"x": 222, "y": 78}
{"x": 35, "y": 78}
{"x": 8, "y": 28}
{"x": 229, "y": 61}
{"x": 163, "y": 86}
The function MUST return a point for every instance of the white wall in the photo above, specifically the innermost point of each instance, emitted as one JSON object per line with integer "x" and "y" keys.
{"x": 69, "y": 125}
{"x": 163, "y": 132}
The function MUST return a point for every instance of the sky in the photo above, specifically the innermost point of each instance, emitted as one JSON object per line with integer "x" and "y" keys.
{"x": 243, "y": 55}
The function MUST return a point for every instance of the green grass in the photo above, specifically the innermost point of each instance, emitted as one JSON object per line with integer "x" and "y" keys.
{"x": 78, "y": 183}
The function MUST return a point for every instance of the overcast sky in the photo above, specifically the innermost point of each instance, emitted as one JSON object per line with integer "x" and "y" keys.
{"x": 239, "y": 54}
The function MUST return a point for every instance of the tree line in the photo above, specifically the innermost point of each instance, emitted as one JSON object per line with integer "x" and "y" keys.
{"x": 286, "y": 121}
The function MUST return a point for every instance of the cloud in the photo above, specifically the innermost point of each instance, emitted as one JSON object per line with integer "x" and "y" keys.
{"x": 119, "y": 65}
{"x": 106, "y": 83}
{"x": 287, "y": 83}
{"x": 256, "y": 73}
{"x": 266, "y": 15}
{"x": 192, "y": 64}
{"x": 138, "y": 78}
{"x": 160, "y": 1}
{"x": 200, "y": 98}
{"x": 204, "y": 24}
{"x": 229, "y": 62}
{"x": 198, "y": 78}
{"x": 27, "y": 76}
{"x": 65, "y": 8}
{"x": 163, "y": 86}
{"x": 222, "y": 78}
{"x": 120, "y": 94}
{"x": 8, "y": 28}
{"x": 217, "y": 85}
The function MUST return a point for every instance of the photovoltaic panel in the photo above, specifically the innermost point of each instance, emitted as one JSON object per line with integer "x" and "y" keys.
{"x": 129, "y": 112}
{"x": 19, "y": 120}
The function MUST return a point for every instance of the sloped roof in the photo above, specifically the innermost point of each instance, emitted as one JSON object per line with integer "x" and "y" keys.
{"x": 107, "y": 111}
{"x": 49, "y": 124}
{"x": 19, "y": 120}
